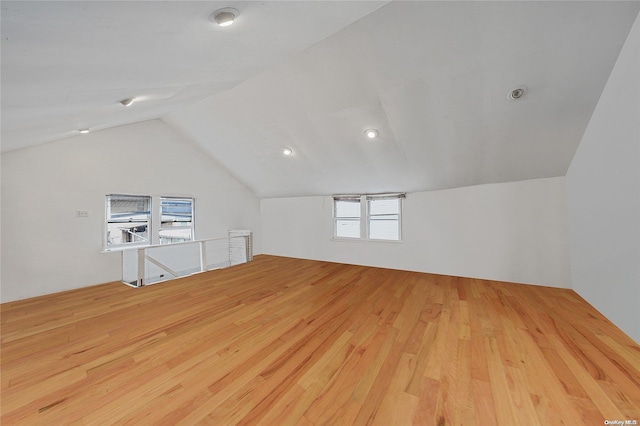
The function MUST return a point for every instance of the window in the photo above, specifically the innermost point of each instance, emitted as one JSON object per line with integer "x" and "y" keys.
{"x": 384, "y": 218}
{"x": 382, "y": 213}
{"x": 128, "y": 220}
{"x": 347, "y": 217}
{"x": 131, "y": 220}
{"x": 176, "y": 220}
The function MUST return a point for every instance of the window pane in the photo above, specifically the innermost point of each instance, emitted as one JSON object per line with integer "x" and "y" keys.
{"x": 170, "y": 236}
{"x": 347, "y": 209}
{"x": 348, "y": 228}
{"x": 384, "y": 206}
{"x": 130, "y": 232}
{"x": 384, "y": 228}
{"x": 176, "y": 212}
{"x": 123, "y": 208}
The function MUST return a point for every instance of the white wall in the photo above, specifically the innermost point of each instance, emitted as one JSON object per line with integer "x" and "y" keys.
{"x": 509, "y": 232}
{"x": 603, "y": 188}
{"x": 46, "y": 249}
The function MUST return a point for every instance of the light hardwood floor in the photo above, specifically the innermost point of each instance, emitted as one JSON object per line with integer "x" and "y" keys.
{"x": 286, "y": 341}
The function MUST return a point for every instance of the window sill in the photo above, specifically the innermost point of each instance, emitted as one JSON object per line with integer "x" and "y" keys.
{"x": 118, "y": 249}
{"x": 363, "y": 240}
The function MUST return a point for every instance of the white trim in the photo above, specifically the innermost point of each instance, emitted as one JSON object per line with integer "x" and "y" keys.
{"x": 154, "y": 237}
{"x": 363, "y": 240}
{"x": 122, "y": 248}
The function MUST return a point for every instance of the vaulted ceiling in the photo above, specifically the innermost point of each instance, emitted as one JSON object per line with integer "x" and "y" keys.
{"x": 431, "y": 77}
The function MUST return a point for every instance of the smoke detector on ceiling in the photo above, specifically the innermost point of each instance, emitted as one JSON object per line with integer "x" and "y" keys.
{"x": 516, "y": 93}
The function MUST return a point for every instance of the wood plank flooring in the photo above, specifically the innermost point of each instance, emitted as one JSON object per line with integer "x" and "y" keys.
{"x": 283, "y": 341}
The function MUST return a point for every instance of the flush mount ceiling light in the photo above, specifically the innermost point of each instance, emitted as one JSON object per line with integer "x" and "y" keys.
{"x": 517, "y": 93}
{"x": 225, "y": 16}
{"x": 288, "y": 152}
{"x": 84, "y": 130}
{"x": 371, "y": 133}
{"x": 127, "y": 101}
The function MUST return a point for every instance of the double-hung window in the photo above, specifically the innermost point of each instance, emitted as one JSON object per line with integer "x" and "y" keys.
{"x": 176, "y": 220}
{"x": 368, "y": 217}
{"x": 128, "y": 220}
{"x": 140, "y": 220}
{"x": 383, "y": 217}
{"x": 346, "y": 216}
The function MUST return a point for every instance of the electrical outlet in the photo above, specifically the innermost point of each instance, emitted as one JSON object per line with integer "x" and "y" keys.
{"x": 82, "y": 213}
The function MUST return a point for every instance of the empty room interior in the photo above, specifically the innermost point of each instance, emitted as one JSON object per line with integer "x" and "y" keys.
{"x": 320, "y": 212}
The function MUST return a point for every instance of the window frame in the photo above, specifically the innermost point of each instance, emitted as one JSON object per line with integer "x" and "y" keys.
{"x": 191, "y": 227}
{"x": 370, "y": 198}
{"x": 107, "y": 221}
{"x": 154, "y": 222}
{"x": 336, "y": 218}
{"x": 365, "y": 216}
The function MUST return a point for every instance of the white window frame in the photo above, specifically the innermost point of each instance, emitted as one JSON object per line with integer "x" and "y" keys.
{"x": 191, "y": 227}
{"x": 369, "y": 198}
{"x": 365, "y": 217}
{"x": 154, "y": 222}
{"x": 148, "y": 220}
{"x": 337, "y": 218}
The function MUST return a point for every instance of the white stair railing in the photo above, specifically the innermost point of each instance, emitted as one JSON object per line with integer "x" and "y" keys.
{"x": 156, "y": 263}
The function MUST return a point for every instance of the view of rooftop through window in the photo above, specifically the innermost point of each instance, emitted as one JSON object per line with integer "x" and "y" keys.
{"x": 128, "y": 219}
{"x": 176, "y": 220}
{"x": 133, "y": 220}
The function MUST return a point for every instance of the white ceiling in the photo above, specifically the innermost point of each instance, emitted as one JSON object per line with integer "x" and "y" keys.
{"x": 432, "y": 77}
{"x": 66, "y": 64}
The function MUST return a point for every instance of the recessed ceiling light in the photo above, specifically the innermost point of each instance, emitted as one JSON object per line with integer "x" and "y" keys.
{"x": 127, "y": 101}
{"x": 225, "y": 16}
{"x": 516, "y": 94}
{"x": 287, "y": 151}
{"x": 84, "y": 130}
{"x": 371, "y": 133}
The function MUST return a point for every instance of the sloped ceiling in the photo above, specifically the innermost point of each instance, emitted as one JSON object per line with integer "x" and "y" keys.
{"x": 432, "y": 77}
{"x": 66, "y": 64}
